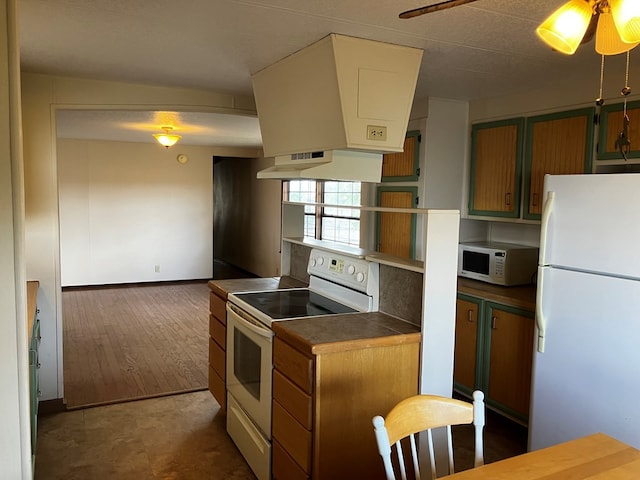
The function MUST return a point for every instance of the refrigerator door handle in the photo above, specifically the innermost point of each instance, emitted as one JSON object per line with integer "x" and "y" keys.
{"x": 547, "y": 210}
{"x": 540, "y": 319}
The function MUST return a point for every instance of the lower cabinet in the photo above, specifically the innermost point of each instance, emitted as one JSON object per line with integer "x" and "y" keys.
{"x": 217, "y": 348}
{"x": 34, "y": 364}
{"x": 323, "y": 404}
{"x": 493, "y": 353}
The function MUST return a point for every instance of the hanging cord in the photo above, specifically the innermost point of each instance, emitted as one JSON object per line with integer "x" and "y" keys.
{"x": 623, "y": 143}
{"x": 626, "y": 90}
{"x": 600, "y": 100}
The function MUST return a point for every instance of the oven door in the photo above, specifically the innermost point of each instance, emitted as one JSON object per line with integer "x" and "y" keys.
{"x": 249, "y": 366}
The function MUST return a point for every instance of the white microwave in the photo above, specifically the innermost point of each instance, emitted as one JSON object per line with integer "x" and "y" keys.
{"x": 500, "y": 263}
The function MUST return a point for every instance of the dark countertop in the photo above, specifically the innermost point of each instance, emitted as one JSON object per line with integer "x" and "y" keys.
{"x": 223, "y": 287}
{"x": 522, "y": 296}
{"x": 337, "y": 333}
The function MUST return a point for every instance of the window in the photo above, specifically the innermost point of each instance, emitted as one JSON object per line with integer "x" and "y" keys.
{"x": 336, "y": 224}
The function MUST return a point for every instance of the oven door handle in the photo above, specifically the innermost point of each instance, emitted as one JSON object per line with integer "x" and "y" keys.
{"x": 253, "y": 325}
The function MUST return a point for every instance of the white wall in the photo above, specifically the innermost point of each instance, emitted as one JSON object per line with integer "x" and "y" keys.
{"x": 42, "y": 95}
{"x": 126, "y": 208}
{"x": 15, "y": 440}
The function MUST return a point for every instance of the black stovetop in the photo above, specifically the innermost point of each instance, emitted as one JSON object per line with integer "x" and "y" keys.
{"x": 282, "y": 304}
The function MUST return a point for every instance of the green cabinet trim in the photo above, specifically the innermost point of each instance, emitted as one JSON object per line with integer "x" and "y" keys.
{"x": 531, "y": 122}
{"x": 605, "y": 111}
{"x": 519, "y": 123}
{"x": 416, "y": 160}
{"x": 414, "y": 197}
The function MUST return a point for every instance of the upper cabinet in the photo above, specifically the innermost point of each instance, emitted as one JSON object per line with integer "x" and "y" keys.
{"x": 496, "y": 159}
{"x": 557, "y": 144}
{"x": 612, "y": 125}
{"x": 403, "y": 166}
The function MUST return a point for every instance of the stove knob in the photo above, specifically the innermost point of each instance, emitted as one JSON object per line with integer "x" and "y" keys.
{"x": 312, "y": 262}
{"x": 320, "y": 260}
{"x": 360, "y": 277}
{"x": 351, "y": 269}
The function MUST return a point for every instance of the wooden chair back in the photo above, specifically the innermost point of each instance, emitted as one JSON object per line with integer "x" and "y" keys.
{"x": 421, "y": 413}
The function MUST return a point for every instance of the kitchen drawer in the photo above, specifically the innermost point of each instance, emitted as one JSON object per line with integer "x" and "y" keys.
{"x": 294, "y": 400}
{"x": 293, "y": 364}
{"x": 217, "y": 359}
{"x": 218, "y": 332}
{"x": 217, "y": 388}
{"x": 292, "y": 436}
{"x": 217, "y": 307}
{"x": 284, "y": 467}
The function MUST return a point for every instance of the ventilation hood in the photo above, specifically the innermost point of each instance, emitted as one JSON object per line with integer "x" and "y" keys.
{"x": 332, "y": 109}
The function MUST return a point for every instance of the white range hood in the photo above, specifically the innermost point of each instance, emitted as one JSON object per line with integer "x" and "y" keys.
{"x": 330, "y": 110}
{"x": 329, "y": 165}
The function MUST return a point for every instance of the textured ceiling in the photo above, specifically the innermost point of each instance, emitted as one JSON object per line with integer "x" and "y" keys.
{"x": 484, "y": 49}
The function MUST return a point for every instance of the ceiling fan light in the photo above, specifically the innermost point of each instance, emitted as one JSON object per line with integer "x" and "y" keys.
{"x": 626, "y": 14}
{"x": 608, "y": 41}
{"x": 166, "y": 139}
{"x": 564, "y": 29}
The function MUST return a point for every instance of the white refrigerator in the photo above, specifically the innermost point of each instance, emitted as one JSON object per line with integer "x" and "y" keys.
{"x": 586, "y": 365}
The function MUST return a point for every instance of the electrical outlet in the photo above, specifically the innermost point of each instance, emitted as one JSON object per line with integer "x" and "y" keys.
{"x": 375, "y": 132}
{"x": 157, "y": 268}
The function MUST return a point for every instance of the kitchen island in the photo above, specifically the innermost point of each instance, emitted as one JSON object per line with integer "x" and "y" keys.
{"x": 331, "y": 376}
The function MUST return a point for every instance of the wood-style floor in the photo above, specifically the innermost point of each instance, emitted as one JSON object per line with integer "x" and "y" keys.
{"x": 137, "y": 341}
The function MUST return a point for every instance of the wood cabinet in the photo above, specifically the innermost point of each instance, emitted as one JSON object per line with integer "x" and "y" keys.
{"x": 403, "y": 166}
{"x": 557, "y": 144}
{"x": 217, "y": 348}
{"x": 396, "y": 232}
{"x": 325, "y": 397}
{"x": 496, "y": 166}
{"x": 493, "y": 353}
{"x": 611, "y": 124}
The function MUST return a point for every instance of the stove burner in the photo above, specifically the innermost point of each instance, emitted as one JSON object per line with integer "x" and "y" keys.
{"x": 281, "y": 304}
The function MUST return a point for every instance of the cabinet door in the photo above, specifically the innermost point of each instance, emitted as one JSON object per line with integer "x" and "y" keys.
{"x": 468, "y": 342}
{"x": 557, "y": 144}
{"x": 509, "y": 342}
{"x": 496, "y": 162}
{"x": 403, "y": 166}
{"x": 397, "y": 231}
{"x": 611, "y": 124}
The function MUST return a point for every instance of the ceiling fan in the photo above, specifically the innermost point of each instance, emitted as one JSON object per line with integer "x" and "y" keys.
{"x": 436, "y": 7}
{"x": 446, "y": 4}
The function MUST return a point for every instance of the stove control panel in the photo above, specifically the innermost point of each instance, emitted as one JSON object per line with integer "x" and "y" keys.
{"x": 353, "y": 272}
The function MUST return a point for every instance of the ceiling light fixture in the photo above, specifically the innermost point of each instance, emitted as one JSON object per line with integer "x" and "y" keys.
{"x": 615, "y": 23}
{"x": 166, "y": 139}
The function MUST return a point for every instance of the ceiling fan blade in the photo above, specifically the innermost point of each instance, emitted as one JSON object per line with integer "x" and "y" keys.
{"x": 591, "y": 29}
{"x": 436, "y": 7}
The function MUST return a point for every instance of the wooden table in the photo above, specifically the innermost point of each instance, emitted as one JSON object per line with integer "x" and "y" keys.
{"x": 595, "y": 457}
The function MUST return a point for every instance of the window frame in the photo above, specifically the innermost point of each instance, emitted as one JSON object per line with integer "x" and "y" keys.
{"x": 319, "y": 212}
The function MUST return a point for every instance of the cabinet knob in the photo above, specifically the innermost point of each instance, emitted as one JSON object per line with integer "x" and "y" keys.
{"x": 494, "y": 322}
{"x": 507, "y": 199}
{"x": 535, "y": 199}
{"x": 470, "y": 315}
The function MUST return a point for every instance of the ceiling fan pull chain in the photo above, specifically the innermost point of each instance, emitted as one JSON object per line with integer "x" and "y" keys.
{"x": 622, "y": 142}
{"x": 600, "y": 100}
{"x": 626, "y": 90}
